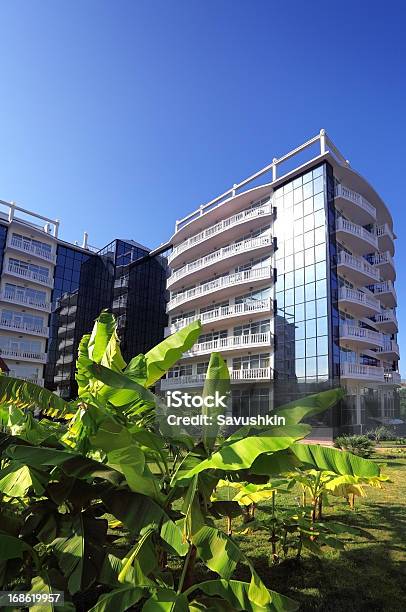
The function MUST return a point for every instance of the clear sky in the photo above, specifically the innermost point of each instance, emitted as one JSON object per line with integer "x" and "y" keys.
{"x": 118, "y": 117}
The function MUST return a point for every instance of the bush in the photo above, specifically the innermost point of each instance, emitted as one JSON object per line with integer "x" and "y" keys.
{"x": 358, "y": 445}
{"x": 381, "y": 433}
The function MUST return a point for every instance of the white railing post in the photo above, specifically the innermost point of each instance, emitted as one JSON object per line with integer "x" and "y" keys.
{"x": 322, "y": 142}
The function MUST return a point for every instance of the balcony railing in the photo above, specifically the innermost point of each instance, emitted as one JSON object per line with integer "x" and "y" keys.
{"x": 361, "y": 333}
{"x": 221, "y": 313}
{"x": 384, "y": 230}
{"x": 384, "y": 287}
{"x": 357, "y": 230}
{"x": 197, "y": 380}
{"x": 31, "y": 249}
{"x": 37, "y": 330}
{"x": 386, "y": 316}
{"x": 230, "y": 280}
{"x": 362, "y": 372}
{"x": 230, "y": 343}
{"x": 355, "y": 198}
{"x": 213, "y": 230}
{"x": 353, "y": 295}
{"x": 390, "y": 346}
{"x": 25, "y": 355}
{"x": 229, "y": 251}
{"x": 382, "y": 258}
{"x": 32, "y": 379}
{"x": 6, "y": 296}
{"x": 358, "y": 263}
{"x": 30, "y": 275}
{"x": 392, "y": 377}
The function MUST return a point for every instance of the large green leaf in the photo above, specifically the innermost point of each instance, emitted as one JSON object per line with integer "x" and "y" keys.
{"x": 119, "y": 389}
{"x": 308, "y": 406}
{"x": 11, "y": 547}
{"x": 17, "y": 479}
{"x": 217, "y": 381}
{"x": 334, "y": 460}
{"x": 218, "y": 551}
{"x": 163, "y": 356}
{"x": 103, "y": 344}
{"x": 237, "y": 594}
{"x": 120, "y": 599}
{"x": 241, "y": 454}
{"x": 130, "y": 461}
{"x": 166, "y": 600}
{"x": 42, "y": 584}
{"x": 83, "y": 376}
{"x": 24, "y": 394}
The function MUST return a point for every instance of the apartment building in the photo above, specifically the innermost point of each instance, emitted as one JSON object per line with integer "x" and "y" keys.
{"x": 51, "y": 291}
{"x": 291, "y": 273}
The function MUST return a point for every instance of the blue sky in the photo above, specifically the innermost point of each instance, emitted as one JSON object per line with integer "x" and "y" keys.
{"x": 119, "y": 117}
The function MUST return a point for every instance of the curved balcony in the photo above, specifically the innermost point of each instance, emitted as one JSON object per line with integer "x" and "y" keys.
{"x": 357, "y": 303}
{"x": 392, "y": 377}
{"x": 34, "y": 330}
{"x": 385, "y": 264}
{"x": 355, "y": 337}
{"x": 223, "y": 259}
{"x": 5, "y": 296}
{"x": 23, "y": 355}
{"x": 220, "y": 286}
{"x": 389, "y": 351}
{"x": 386, "y": 293}
{"x": 231, "y": 343}
{"x": 236, "y": 376}
{"x": 229, "y": 313}
{"x": 355, "y": 237}
{"x": 66, "y": 343}
{"x": 228, "y": 228}
{"x": 386, "y": 321}
{"x": 386, "y": 238}
{"x": 358, "y": 371}
{"x": 357, "y": 269}
{"x": 26, "y": 274}
{"x": 67, "y": 330}
{"x": 354, "y": 205}
{"x": 30, "y": 249}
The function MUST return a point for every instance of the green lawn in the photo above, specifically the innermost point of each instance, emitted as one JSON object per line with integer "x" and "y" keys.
{"x": 369, "y": 575}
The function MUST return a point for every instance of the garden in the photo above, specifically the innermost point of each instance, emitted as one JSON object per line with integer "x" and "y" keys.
{"x": 119, "y": 510}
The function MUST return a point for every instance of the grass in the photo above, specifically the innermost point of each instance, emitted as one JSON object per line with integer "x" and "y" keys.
{"x": 369, "y": 575}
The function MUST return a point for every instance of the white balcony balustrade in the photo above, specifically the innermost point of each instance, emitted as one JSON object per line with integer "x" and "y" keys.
{"x": 358, "y": 371}
{"x": 354, "y": 205}
{"x": 386, "y": 321}
{"x": 389, "y": 351}
{"x": 230, "y": 343}
{"x": 236, "y": 376}
{"x": 23, "y": 355}
{"x": 19, "y": 326}
{"x": 386, "y": 265}
{"x": 31, "y": 249}
{"x": 357, "y": 238}
{"x": 224, "y": 254}
{"x": 386, "y": 238}
{"x": 216, "y": 285}
{"x": 355, "y": 336}
{"x": 234, "y": 311}
{"x": 386, "y": 293}
{"x": 392, "y": 377}
{"x": 27, "y": 274}
{"x": 31, "y": 302}
{"x": 235, "y": 220}
{"x": 356, "y": 268}
{"x": 358, "y": 303}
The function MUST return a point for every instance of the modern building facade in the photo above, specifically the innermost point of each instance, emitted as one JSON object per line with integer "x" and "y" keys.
{"x": 51, "y": 292}
{"x": 291, "y": 273}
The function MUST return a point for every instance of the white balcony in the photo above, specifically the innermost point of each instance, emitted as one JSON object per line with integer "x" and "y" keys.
{"x": 30, "y": 249}
{"x": 120, "y": 303}
{"x": 392, "y": 377}
{"x": 358, "y": 371}
{"x": 227, "y": 313}
{"x": 386, "y": 238}
{"x": 34, "y": 330}
{"x": 236, "y": 376}
{"x": 389, "y": 351}
{"x": 29, "y": 275}
{"x": 226, "y": 225}
{"x": 357, "y": 303}
{"x": 32, "y": 379}
{"x": 221, "y": 259}
{"x": 355, "y": 337}
{"x": 385, "y": 264}
{"x": 65, "y": 344}
{"x": 386, "y": 293}
{"x": 220, "y": 286}
{"x": 355, "y": 237}
{"x": 231, "y": 343}
{"x": 23, "y": 355}
{"x": 354, "y": 205}
{"x": 6, "y": 296}
{"x": 386, "y": 321}
{"x": 356, "y": 268}
{"x": 67, "y": 330}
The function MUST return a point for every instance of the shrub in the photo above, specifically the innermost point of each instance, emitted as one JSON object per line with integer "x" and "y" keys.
{"x": 358, "y": 445}
{"x": 381, "y": 433}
